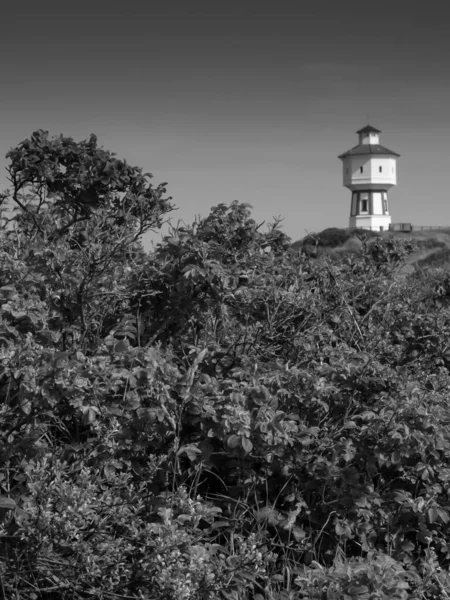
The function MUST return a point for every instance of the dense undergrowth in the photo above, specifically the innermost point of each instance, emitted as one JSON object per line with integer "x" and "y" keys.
{"x": 221, "y": 418}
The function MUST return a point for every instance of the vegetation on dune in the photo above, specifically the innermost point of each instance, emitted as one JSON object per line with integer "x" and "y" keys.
{"x": 329, "y": 238}
{"x": 222, "y": 418}
{"x": 432, "y": 247}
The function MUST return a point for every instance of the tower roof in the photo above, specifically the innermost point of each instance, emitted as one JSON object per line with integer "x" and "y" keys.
{"x": 368, "y": 149}
{"x": 368, "y": 129}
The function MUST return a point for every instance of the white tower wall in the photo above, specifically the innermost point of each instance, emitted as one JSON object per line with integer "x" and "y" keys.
{"x": 354, "y": 178}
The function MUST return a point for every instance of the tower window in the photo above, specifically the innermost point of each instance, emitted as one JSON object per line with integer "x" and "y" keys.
{"x": 385, "y": 206}
{"x": 361, "y": 169}
{"x": 354, "y": 210}
{"x": 380, "y": 169}
{"x": 364, "y": 206}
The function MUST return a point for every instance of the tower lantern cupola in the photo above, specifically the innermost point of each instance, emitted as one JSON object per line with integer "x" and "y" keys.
{"x": 369, "y": 171}
{"x": 369, "y": 135}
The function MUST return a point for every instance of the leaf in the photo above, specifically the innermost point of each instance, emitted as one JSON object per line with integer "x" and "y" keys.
{"x": 400, "y": 497}
{"x": 219, "y": 524}
{"x": 250, "y": 575}
{"x": 396, "y": 457}
{"x": 342, "y": 529}
{"x": 190, "y": 450}
{"x": 182, "y": 519}
{"x": 367, "y": 415}
{"x": 109, "y": 470}
{"x": 234, "y": 441}
{"x": 408, "y": 546}
{"x": 24, "y": 402}
{"x": 8, "y": 289}
{"x": 194, "y": 408}
{"x": 8, "y": 503}
{"x": 432, "y": 514}
{"x": 121, "y": 346}
{"x": 89, "y": 414}
{"x": 358, "y": 589}
{"x": 443, "y": 514}
{"x": 247, "y": 444}
{"x": 362, "y": 502}
{"x": 26, "y": 407}
{"x": 269, "y": 514}
{"x": 298, "y": 533}
{"x": 426, "y": 474}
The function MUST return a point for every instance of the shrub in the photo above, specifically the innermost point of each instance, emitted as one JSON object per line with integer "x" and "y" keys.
{"x": 221, "y": 418}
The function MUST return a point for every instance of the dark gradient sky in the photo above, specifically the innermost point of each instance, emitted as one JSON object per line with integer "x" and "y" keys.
{"x": 241, "y": 100}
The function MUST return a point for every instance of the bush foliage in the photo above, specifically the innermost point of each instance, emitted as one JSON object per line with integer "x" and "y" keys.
{"x": 333, "y": 237}
{"x": 220, "y": 418}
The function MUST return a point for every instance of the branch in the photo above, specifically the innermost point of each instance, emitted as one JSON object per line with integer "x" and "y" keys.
{"x": 17, "y": 188}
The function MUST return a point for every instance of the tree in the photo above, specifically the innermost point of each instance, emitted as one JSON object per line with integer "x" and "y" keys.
{"x": 80, "y": 212}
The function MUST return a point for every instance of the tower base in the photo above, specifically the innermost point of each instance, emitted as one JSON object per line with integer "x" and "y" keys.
{"x": 371, "y": 222}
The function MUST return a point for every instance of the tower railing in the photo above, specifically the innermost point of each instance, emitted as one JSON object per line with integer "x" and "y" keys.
{"x": 406, "y": 227}
{"x": 411, "y": 227}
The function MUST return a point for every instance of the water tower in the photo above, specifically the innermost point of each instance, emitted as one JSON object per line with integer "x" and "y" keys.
{"x": 369, "y": 171}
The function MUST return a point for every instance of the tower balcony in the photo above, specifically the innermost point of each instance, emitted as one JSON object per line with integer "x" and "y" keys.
{"x": 370, "y": 183}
